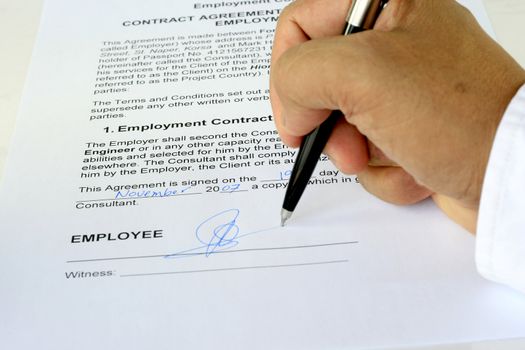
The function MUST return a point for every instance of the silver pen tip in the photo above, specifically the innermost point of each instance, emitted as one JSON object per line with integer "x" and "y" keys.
{"x": 285, "y": 215}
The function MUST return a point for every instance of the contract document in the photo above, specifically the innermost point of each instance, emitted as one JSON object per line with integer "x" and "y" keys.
{"x": 141, "y": 199}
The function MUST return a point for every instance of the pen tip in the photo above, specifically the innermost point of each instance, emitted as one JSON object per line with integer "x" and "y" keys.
{"x": 285, "y": 215}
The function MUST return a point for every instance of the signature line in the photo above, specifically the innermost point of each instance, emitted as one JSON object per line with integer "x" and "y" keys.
{"x": 237, "y": 268}
{"x": 219, "y": 252}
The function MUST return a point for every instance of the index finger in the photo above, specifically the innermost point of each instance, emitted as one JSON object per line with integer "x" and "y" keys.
{"x": 301, "y": 21}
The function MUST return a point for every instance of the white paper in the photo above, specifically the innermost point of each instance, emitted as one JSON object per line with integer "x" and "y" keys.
{"x": 205, "y": 264}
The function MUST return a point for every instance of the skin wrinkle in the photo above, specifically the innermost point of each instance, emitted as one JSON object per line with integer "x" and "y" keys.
{"x": 396, "y": 15}
{"x": 310, "y": 12}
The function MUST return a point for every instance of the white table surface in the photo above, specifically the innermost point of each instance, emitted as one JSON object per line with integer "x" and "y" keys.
{"x": 19, "y": 24}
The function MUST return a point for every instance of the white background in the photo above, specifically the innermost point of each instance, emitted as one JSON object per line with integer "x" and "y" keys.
{"x": 19, "y": 23}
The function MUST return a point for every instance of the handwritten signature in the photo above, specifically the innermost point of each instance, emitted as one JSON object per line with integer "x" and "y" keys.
{"x": 217, "y": 233}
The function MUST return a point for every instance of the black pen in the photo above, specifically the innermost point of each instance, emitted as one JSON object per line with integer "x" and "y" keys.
{"x": 361, "y": 16}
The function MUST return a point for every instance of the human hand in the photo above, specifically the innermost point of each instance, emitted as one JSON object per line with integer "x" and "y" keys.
{"x": 427, "y": 87}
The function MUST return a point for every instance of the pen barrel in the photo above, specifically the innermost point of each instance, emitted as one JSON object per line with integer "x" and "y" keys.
{"x": 311, "y": 148}
{"x": 364, "y": 13}
{"x": 362, "y": 16}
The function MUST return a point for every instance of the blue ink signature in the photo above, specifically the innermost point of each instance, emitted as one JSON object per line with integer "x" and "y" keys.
{"x": 216, "y": 234}
{"x": 223, "y": 235}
